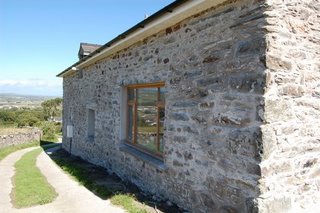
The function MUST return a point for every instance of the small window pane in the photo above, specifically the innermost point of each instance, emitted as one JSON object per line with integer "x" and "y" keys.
{"x": 130, "y": 94}
{"x": 91, "y": 123}
{"x": 147, "y": 127}
{"x": 147, "y": 96}
{"x": 161, "y": 129}
{"x": 163, "y": 92}
{"x": 130, "y": 124}
{"x": 147, "y": 118}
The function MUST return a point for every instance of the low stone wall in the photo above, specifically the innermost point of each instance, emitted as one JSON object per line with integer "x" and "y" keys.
{"x": 20, "y": 138}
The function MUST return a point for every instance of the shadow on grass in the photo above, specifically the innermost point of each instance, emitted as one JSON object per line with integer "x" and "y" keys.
{"x": 48, "y": 144}
{"x": 110, "y": 186}
{"x": 45, "y": 142}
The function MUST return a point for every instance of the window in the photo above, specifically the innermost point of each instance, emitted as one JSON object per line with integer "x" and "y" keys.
{"x": 91, "y": 124}
{"x": 145, "y": 117}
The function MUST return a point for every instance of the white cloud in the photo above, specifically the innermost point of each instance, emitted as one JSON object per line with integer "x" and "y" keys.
{"x": 32, "y": 86}
{"x": 31, "y": 82}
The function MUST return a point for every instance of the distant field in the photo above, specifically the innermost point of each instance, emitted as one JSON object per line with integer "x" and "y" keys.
{"x": 11, "y": 131}
{"x": 9, "y": 101}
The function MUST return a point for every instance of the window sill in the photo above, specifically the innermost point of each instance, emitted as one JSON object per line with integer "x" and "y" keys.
{"x": 158, "y": 164}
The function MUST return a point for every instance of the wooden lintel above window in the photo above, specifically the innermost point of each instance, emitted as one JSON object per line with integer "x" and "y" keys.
{"x": 157, "y": 84}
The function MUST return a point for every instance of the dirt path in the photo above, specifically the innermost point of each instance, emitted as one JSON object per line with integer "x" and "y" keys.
{"x": 72, "y": 197}
{"x": 6, "y": 173}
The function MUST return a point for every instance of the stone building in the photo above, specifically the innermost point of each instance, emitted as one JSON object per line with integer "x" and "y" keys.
{"x": 212, "y": 104}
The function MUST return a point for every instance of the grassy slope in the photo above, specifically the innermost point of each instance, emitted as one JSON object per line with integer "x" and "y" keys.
{"x": 30, "y": 186}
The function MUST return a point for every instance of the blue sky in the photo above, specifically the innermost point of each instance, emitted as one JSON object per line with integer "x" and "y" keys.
{"x": 39, "y": 39}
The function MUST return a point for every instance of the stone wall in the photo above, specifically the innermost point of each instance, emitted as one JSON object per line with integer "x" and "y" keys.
{"x": 242, "y": 108}
{"x": 213, "y": 67}
{"x": 20, "y": 138}
{"x": 291, "y": 136}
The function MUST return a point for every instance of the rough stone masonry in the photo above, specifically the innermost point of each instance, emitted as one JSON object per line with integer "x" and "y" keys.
{"x": 33, "y": 134}
{"x": 291, "y": 138}
{"x": 242, "y": 112}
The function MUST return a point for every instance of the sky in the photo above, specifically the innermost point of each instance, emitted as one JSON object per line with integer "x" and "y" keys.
{"x": 40, "y": 38}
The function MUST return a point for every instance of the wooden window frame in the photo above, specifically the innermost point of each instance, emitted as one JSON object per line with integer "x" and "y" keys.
{"x": 134, "y": 104}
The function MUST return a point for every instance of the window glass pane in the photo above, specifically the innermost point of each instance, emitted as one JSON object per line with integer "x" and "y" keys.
{"x": 91, "y": 123}
{"x": 147, "y": 127}
{"x": 163, "y": 92}
{"x": 147, "y": 118}
{"x": 130, "y": 94}
{"x": 161, "y": 122}
{"x": 130, "y": 124}
{"x": 150, "y": 115}
{"x": 147, "y": 96}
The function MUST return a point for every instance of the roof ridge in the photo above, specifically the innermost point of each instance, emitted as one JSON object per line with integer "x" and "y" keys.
{"x": 85, "y": 43}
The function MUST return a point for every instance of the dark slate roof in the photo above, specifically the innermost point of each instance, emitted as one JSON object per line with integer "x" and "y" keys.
{"x": 87, "y": 48}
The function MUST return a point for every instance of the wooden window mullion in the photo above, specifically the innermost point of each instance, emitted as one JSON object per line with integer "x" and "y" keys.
{"x": 135, "y": 116}
{"x": 128, "y": 122}
{"x": 131, "y": 104}
{"x": 158, "y": 121}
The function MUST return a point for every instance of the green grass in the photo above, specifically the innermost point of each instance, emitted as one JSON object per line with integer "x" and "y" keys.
{"x": 8, "y": 150}
{"x": 128, "y": 202}
{"x": 30, "y": 186}
{"x": 51, "y": 138}
{"x": 83, "y": 175}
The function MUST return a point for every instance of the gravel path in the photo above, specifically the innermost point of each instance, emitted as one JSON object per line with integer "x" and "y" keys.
{"x": 72, "y": 197}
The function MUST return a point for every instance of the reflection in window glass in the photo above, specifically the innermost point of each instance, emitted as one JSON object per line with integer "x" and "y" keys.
{"x": 130, "y": 123}
{"x": 147, "y": 118}
{"x": 147, "y": 127}
{"x": 161, "y": 129}
{"x": 147, "y": 96}
{"x": 130, "y": 94}
{"x": 163, "y": 92}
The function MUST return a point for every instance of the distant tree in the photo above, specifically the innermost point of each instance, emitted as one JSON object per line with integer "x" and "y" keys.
{"x": 57, "y": 106}
{"x": 27, "y": 118}
{"x": 49, "y": 131}
{"x": 27, "y": 121}
{"x": 7, "y": 117}
{"x": 51, "y": 108}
